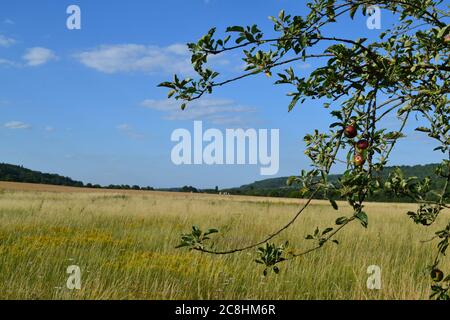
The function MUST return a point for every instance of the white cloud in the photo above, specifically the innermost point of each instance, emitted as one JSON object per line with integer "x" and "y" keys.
{"x": 217, "y": 111}
{"x": 8, "y": 21}
{"x": 112, "y": 59}
{"x": 129, "y": 131}
{"x": 179, "y": 49}
{"x": 8, "y": 63}
{"x": 16, "y": 125}
{"x": 137, "y": 58}
{"x": 49, "y": 129}
{"x": 6, "y": 42}
{"x": 38, "y": 56}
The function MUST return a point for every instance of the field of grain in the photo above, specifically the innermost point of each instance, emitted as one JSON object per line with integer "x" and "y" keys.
{"x": 124, "y": 243}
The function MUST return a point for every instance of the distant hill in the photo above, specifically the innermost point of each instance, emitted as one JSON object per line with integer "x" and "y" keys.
{"x": 13, "y": 173}
{"x": 420, "y": 171}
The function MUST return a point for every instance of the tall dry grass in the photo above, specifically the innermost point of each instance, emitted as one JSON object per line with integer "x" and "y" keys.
{"x": 124, "y": 244}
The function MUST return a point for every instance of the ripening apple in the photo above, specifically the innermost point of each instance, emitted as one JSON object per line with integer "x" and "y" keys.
{"x": 359, "y": 160}
{"x": 350, "y": 131}
{"x": 362, "y": 144}
{"x": 437, "y": 275}
{"x": 447, "y": 38}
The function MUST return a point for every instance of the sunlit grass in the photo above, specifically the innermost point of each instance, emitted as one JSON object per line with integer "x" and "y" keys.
{"x": 124, "y": 245}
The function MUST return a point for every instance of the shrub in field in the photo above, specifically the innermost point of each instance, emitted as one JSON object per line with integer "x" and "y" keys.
{"x": 404, "y": 73}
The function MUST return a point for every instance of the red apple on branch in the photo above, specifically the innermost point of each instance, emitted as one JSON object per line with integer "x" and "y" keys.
{"x": 362, "y": 144}
{"x": 350, "y": 131}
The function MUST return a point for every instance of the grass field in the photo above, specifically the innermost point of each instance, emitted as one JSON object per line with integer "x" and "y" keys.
{"x": 124, "y": 244}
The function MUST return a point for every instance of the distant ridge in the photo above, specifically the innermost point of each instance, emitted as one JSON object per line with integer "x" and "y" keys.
{"x": 420, "y": 171}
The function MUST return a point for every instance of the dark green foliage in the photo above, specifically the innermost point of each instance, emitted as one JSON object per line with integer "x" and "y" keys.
{"x": 195, "y": 239}
{"x": 189, "y": 189}
{"x": 12, "y": 173}
{"x": 277, "y": 187}
{"x": 270, "y": 255}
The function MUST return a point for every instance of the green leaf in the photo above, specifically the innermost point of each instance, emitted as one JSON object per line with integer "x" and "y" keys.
{"x": 166, "y": 84}
{"x": 394, "y": 135}
{"x": 235, "y": 29}
{"x": 334, "y": 204}
{"x": 293, "y": 103}
{"x": 443, "y": 31}
{"x": 240, "y": 39}
{"x": 423, "y": 129}
{"x": 171, "y": 93}
{"x": 290, "y": 180}
{"x": 353, "y": 11}
{"x": 330, "y": 10}
{"x": 337, "y": 114}
{"x": 182, "y": 245}
{"x": 273, "y": 19}
{"x": 341, "y": 220}
{"x": 362, "y": 217}
{"x": 335, "y": 124}
{"x": 316, "y": 232}
{"x": 211, "y": 231}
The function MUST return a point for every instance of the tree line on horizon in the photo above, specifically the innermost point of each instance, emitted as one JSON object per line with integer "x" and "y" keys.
{"x": 274, "y": 187}
{"x": 15, "y": 173}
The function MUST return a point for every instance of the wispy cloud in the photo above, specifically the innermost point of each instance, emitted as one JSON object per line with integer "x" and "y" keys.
{"x": 6, "y": 42}
{"x": 7, "y": 63}
{"x": 8, "y": 21}
{"x": 137, "y": 58}
{"x": 15, "y": 125}
{"x": 129, "y": 131}
{"x": 217, "y": 111}
{"x": 38, "y": 56}
{"x": 124, "y": 58}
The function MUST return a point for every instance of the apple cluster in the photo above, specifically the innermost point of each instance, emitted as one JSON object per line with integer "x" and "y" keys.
{"x": 351, "y": 132}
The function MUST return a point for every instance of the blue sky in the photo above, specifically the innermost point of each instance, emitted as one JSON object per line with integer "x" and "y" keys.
{"x": 84, "y": 103}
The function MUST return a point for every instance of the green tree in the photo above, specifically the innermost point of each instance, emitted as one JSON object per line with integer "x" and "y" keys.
{"x": 405, "y": 72}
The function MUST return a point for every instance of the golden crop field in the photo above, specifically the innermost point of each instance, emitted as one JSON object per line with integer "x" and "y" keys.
{"x": 124, "y": 243}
